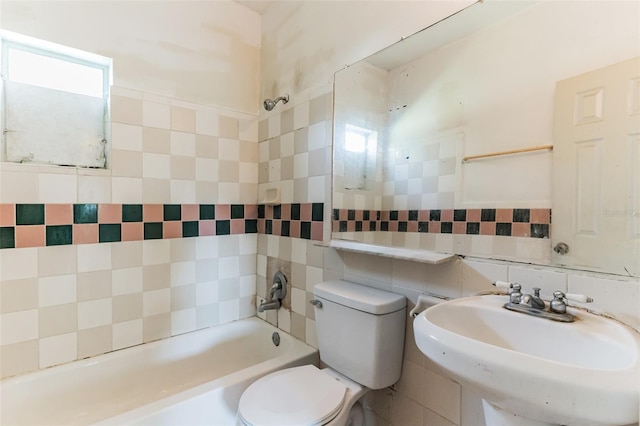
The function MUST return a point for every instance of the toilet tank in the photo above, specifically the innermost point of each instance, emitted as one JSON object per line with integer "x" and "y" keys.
{"x": 360, "y": 331}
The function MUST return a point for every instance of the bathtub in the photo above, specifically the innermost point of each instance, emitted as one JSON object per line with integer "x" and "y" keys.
{"x": 194, "y": 378}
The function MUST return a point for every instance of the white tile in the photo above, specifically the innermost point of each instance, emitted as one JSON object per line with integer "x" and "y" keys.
{"x": 94, "y": 313}
{"x": 18, "y": 327}
{"x": 228, "y": 149}
{"x": 207, "y": 247}
{"x": 248, "y": 244}
{"x": 611, "y": 295}
{"x": 156, "y": 115}
{"x": 183, "y": 191}
{"x": 155, "y": 252}
{"x": 206, "y": 293}
{"x": 248, "y": 173}
{"x": 18, "y": 187}
{"x": 442, "y": 395}
{"x": 229, "y": 267}
{"x": 126, "y": 334}
{"x": 316, "y": 189}
{"x": 183, "y": 321}
{"x": 94, "y": 257}
{"x": 298, "y": 301}
{"x": 229, "y": 311}
{"x": 311, "y": 338}
{"x": 126, "y": 281}
{"x": 127, "y": 137}
{"x": 301, "y": 165}
{"x": 274, "y": 125}
{"x": 16, "y": 264}
{"x": 183, "y": 143}
{"x": 478, "y": 276}
{"x": 58, "y": 349}
{"x": 298, "y": 251}
{"x": 57, "y": 290}
{"x": 183, "y": 273}
{"x": 126, "y": 190}
{"x": 547, "y": 280}
{"x": 207, "y": 169}
{"x": 248, "y": 285}
{"x": 206, "y": 122}
{"x": 300, "y": 115}
{"x": 286, "y": 145}
{"x": 313, "y": 276}
{"x": 156, "y": 302}
{"x": 57, "y": 188}
{"x": 94, "y": 189}
{"x": 156, "y": 165}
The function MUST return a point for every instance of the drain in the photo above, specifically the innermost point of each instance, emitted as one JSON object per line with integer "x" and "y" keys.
{"x": 275, "y": 338}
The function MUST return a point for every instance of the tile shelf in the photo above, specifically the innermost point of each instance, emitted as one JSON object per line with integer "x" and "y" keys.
{"x": 415, "y": 255}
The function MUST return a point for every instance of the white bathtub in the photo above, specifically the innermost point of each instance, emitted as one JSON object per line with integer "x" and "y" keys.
{"x": 194, "y": 378}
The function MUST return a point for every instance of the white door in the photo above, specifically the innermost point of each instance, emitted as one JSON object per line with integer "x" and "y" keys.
{"x": 596, "y": 170}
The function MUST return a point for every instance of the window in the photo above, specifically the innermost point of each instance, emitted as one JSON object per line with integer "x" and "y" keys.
{"x": 54, "y": 103}
{"x": 361, "y": 146}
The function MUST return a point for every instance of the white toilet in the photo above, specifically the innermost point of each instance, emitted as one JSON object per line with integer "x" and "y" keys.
{"x": 361, "y": 339}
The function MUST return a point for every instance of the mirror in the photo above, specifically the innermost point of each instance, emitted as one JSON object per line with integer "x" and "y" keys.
{"x": 444, "y": 141}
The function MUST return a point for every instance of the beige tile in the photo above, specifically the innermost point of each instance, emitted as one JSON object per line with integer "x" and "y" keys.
{"x": 125, "y": 190}
{"x": 248, "y": 151}
{"x": 127, "y": 307}
{"x": 18, "y": 295}
{"x": 126, "y": 254}
{"x": 155, "y": 277}
{"x": 126, "y": 163}
{"x": 207, "y": 315}
{"x": 298, "y": 326}
{"x": 206, "y": 146}
{"x": 183, "y": 144}
{"x": 412, "y": 382}
{"x": 156, "y": 191}
{"x": 432, "y": 419}
{"x": 183, "y": 273}
{"x": 156, "y": 140}
{"x": 18, "y": 358}
{"x": 94, "y": 257}
{"x": 18, "y": 187}
{"x": 183, "y": 249}
{"x": 320, "y": 108}
{"x": 183, "y": 167}
{"x": 442, "y": 396}
{"x": 156, "y": 302}
{"x": 405, "y": 411}
{"x": 183, "y": 297}
{"x": 126, "y": 110}
{"x": 94, "y": 313}
{"x": 94, "y": 285}
{"x": 16, "y": 327}
{"x": 94, "y": 189}
{"x": 155, "y": 114}
{"x": 55, "y": 320}
{"x": 228, "y": 171}
{"x": 183, "y": 321}
{"x": 183, "y": 119}
{"x": 126, "y": 281}
{"x": 94, "y": 341}
{"x": 126, "y": 137}
{"x": 18, "y": 263}
{"x": 228, "y": 127}
{"x": 155, "y": 252}
{"x": 156, "y": 327}
{"x": 57, "y": 290}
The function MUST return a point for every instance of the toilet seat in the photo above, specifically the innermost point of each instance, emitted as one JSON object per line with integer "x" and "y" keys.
{"x": 294, "y": 396}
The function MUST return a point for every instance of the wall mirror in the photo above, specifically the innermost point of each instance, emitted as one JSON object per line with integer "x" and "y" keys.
{"x": 445, "y": 140}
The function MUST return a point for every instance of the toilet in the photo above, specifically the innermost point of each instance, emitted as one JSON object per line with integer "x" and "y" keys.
{"x": 360, "y": 333}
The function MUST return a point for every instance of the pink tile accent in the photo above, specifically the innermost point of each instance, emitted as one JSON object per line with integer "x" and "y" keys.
{"x": 58, "y": 214}
{"x": 223, "y": 211}
{"x": 459, "y": 227}
{"x": 412, "y": 226}
{"x": 251, "y": 211}
{"x": 423, "y": 215}
{"x": 487, "y": 228}
{"x": 520, "y": 229}
{"x": 7, "y": 214}
{"x": 351, "y": 226}
{"x": 316, "y": 231}
{"x": 446, "y": 215}
{"x": 207, "y": 228}
{"x": 237, "y": 226}
{"x": 540, "y": 216}
{"x": 268, "y": 212}
{"x": 132, "y": 231}
{"x": 295, "y": 229}
{"x": 403, "y": 215}
{"x": 261, "y": 226}
{"x": 504, "y": 215}
{"x": 434, "y": 227}
{"x": 344, "y": 214}
{"x": 305, "y": 211}
{"x": 109, "y": 213}
{"x": 30, "y": 236}
{"x": 172, "y": 229}
{"x": 152, "y": 213}
{"x": 384, "y": 215}
{"x": 85, "y": 233}
{"x": 335, "y": 226}
{"x": 474, "y": 215}
{"x": 359, "y": 214}
{"x": 276, "y": 227}
{"x": 393, "y": 226}
{"x": 190, "y": 212}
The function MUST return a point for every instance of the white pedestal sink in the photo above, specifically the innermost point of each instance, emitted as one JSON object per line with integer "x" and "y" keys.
{"x": 531, "y": 370}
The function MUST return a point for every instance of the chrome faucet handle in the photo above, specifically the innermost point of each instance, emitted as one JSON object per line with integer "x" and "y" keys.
{"x": 558, "y": 304}
{"x": 536, "y": 291}
{"x": 516, "y": 294}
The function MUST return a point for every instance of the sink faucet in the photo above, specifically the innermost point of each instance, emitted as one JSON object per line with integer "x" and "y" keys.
{"x": 532, "y": 304}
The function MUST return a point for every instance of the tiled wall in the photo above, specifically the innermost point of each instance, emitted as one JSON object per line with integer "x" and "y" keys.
{"x": 161, "y": 243}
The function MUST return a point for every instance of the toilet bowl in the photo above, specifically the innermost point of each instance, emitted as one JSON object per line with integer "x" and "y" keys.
{"x": 360, "y": 334}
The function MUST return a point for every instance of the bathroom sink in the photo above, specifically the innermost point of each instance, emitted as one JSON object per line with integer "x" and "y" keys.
{"x": 580, "y": 373}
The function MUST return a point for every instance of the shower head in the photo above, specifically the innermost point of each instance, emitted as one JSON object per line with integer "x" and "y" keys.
{"x": 270, "y": 104}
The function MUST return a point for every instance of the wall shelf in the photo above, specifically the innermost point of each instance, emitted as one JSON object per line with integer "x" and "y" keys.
{"x": 415, "y": 255}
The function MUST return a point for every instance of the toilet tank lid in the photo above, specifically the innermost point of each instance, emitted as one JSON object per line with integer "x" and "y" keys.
{"x": 360, "y": 297}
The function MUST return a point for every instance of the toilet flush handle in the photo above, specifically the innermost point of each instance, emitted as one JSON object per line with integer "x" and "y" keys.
{"x": 316, "y": 303}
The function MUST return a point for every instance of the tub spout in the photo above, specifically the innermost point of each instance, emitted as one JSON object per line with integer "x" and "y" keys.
{"x": 264, "y": 305}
